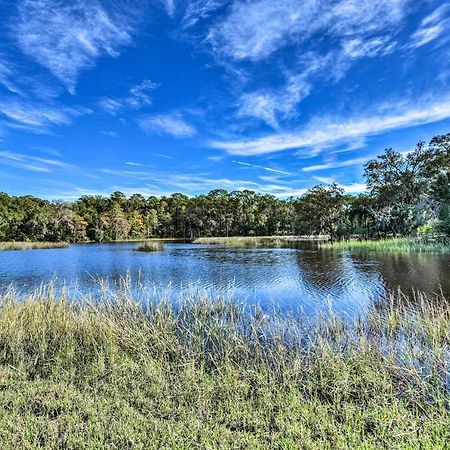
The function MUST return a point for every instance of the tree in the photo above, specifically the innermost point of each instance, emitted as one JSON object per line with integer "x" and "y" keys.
{"x": 321, "y": 210}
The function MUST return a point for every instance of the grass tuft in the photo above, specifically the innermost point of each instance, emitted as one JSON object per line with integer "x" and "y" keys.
{"x": 214, "y": 373}
{"x": 31, "y": 245}
{"x": 150, "y": 246}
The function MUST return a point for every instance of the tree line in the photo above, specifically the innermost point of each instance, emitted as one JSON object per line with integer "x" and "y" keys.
{"x": 407, "y": 193}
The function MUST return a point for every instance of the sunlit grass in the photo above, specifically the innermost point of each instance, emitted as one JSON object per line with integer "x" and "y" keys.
{"x": 31, "y": 245}
{"x": 215, "y": 373}
{"x": 396, "y": 245}
{"x": 254, "y": 241}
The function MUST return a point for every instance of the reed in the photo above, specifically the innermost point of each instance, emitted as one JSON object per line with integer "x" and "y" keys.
{"x": 31, "y": 245}
{"x": 394, "y": 245}
{"x": 216, "y": 373}
{"x": 256, "y": 241}
{"x": 150, "y": 246}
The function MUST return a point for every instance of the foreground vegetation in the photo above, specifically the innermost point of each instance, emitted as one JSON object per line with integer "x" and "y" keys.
{"x": 395, "y": 245}
{"x": 210, "y": 373}
{"x": 31, "y": 245}
{"x": 405, "y": 193}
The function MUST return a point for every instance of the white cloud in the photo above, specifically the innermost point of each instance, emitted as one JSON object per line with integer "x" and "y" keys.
{"x": 255, "y": 30}
{"x": 37, "y": 117}
{"x": 354, "y": 188}
{"x": 269, "y": 169}
{"x": 358, "y": 48}
{"x": 32, "y": 163}
{"x": 432, "y": 27}
{"x": 327, "y": 131}
{"x": 67, "y": 37}
{"x": 198, "y": 10}
{"x": 325, "y": 180}
{"x": 172, "y": 124}
{"x": 267, "y": 105}
{"x": 336, "y": 164}
{"x": 137, "y": 98}
{"x": 169, "y": 5}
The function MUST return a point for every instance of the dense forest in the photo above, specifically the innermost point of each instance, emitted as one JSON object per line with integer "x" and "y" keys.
{"x": 407, "y": 194}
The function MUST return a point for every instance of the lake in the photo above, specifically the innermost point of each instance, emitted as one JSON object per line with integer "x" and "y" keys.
{"x": 296, "y": 275}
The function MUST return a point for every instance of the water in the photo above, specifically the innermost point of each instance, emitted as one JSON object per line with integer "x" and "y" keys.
{"x": 296, "y": 276}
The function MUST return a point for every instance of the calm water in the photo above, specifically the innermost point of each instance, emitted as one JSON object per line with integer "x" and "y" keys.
{"x": 301, "y": 276}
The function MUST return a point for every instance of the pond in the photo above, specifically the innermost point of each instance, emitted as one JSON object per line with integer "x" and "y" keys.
{"x": 300, "y": 275}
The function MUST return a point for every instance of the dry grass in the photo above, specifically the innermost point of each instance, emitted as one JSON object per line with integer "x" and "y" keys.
{"x": 393, "y": 245}
{"x": 256, "y": 241}
{"x": 31, "y": 245}
{"x": 214, "y": 373}
{"x": 150, "y": 246}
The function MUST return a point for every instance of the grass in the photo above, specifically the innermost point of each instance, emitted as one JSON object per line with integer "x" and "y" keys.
{"x": 213, "y": 373}
{"x": 31, "y": 245}
{"x": 395, "y": 245}
{"x": 255, "y": 241}
{"x": 150, "y": 246}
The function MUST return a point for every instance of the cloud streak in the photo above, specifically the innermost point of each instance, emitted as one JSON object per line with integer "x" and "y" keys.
{"x": 35, "y": 116}
{"x": 171, "y": 124}
{"x": 327, "y": 131}
{"x": 269, "y": 169}
{"x": 432, "y": 27}
{"x": 32, "y": 163}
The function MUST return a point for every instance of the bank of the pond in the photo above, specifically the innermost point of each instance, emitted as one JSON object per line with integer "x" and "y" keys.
{"x": 31, "y": 245}
{"x": 219, "y": 374}
{"x": 394, "y": 244}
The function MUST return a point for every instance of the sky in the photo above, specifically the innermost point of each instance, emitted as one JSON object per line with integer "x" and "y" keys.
{"x": 165, "y": 96}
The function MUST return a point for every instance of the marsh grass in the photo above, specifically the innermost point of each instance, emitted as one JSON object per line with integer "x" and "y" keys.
{"x": 150, "y": 246}
{"x": 394, "y": 245}
{"x": 255, "y": 241}
{"x": 31, "y": 245}
{"x": 215, "y": 373}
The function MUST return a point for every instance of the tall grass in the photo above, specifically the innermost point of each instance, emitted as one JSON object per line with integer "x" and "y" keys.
{"x": 255, "y": 241}
{"x": 31, "y": 245}
{"x": 395, "y": 245}
{"x": 215, "y": 373}
{"x": 150, "y": 246}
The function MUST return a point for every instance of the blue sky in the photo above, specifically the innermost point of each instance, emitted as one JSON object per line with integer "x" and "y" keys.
{"x": 186, "y": 96}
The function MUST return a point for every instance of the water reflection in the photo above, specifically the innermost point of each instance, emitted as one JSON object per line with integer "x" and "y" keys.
{"x": 293, "y": 276}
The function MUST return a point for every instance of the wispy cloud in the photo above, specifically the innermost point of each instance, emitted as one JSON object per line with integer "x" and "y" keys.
{"x": 432, "y": 27}
{"x": 32, "y": 163}
{"x": 267, "y": 105}
{"x": 36, "y": 117}
{"x": 269, "y": 169}
{"x": 161, "y": 155}
{"x": 336, "y": 164}
{"x": 137, "y": 97}
{"x": 68, "y": 37}
{"x": 199, "y": 10}
{"x": 172, "y": 124}
{"x": 327, "y": 131}
{"x": 169, "y": 6}
{"x": 255, "y": 30}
